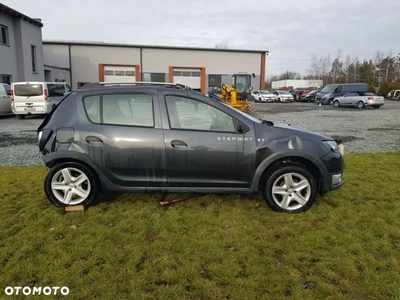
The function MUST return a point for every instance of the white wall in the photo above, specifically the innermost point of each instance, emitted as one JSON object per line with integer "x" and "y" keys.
{"x": 215, "y": 62}
{"x": 296, "y": 83}
{"x": 8, "y": 57}
{"x": 56, "y": 56}
{"x": 85, "y": 60}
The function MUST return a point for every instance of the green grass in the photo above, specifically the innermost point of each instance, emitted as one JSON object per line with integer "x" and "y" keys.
{"x": 347, "y": 246}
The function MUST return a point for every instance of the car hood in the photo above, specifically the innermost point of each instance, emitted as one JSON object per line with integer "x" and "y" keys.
{"x": 286, "y": 96}
{"x": 288, "y": 138}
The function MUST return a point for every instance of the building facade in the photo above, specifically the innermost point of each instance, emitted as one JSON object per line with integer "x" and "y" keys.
{"x": 79, "y": 63}
{"x": 289, "y": 84}
{"x": 21, "y": 49}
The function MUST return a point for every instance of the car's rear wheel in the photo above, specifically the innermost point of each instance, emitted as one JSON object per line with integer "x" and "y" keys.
{"x": 71, "y": 183}
{"x": 21, "y": 116}
{"x": 336, "y": 103}
{"x": 360, "y": 104}
{"x": 289, "y": 188}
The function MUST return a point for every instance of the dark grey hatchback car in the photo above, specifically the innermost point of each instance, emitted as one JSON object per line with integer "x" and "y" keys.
{"x": 148, "y": 137}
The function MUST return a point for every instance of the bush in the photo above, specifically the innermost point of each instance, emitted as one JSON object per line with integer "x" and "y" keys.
{"x": 371, "y": 88}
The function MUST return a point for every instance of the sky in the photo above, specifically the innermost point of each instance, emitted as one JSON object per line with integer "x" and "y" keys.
{"x": 291, "y": 30}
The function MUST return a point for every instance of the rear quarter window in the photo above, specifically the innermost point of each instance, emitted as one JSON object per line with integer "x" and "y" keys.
{"x": 28, "y": 90}
{"x": 92, "y": 107}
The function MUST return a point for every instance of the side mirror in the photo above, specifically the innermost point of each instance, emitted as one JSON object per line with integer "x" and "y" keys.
{"x": 240, "y": 129}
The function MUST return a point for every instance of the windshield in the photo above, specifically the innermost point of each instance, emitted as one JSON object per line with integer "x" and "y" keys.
{"x": 284, "y": 93}
{"x": 265, "y": 92}
{"x": 328, "y": 88}
{"x": 28, "y": 90}
{"x": 242, "y": 84}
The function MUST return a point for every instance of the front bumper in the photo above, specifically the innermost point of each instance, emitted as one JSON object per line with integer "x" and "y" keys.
{"x": 334, "y": 166}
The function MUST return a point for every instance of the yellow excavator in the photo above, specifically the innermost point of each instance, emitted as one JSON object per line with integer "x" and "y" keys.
{"x": 237, "y": 94}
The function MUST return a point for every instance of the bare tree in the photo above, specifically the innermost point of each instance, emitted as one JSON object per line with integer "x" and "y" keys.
{"x": 355, "y": 61}
{"x": 223, "y": 44}
{"x": 346, "y": 66}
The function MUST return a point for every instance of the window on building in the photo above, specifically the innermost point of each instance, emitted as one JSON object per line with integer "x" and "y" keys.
{"x": 4, "y": 35}
{"x": 33, "y": 57}
{"x": 5, "y": 78}
{"x": 190, "y": 114}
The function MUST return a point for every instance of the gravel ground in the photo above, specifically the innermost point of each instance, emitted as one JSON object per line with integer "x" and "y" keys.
{"x": 367, "y": 130}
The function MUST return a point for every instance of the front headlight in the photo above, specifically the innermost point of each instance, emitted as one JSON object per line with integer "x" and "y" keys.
{"x": 332, "y": 145}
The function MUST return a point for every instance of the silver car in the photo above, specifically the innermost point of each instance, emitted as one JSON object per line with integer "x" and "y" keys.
{"x": 359, "y": 99}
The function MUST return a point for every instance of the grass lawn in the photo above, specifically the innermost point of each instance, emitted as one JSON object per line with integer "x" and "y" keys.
{"x": 347, "y": 246}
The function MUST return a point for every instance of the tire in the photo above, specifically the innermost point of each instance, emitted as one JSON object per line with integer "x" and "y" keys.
{"x": 279, "y": 100}
{"x": 376, "y": 106}
{"x": 58, "y": 196}
{"x": 21, "y": 116}
{"x": 259, "y": 100}
{"x": 336, "y": 103}
{"x": 360, "y": 104}
{"x": 276, "y": 177}
{"x": 252, "y": 107}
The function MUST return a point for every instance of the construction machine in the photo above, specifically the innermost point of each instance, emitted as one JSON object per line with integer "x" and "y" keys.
{"x": 238, "y": 94}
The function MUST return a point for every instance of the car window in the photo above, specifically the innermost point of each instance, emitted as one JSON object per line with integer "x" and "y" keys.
{"x": 92, "y": 107}
{"x": 351, "y": 94}
{"x": 190, "y": 114}
{"x": 338, "y": 89}
{"x": 56, "y": 90}
{"x": 128, "y": 109}
{"x": 28, "y": 90}
{"x": 8, "y": 89}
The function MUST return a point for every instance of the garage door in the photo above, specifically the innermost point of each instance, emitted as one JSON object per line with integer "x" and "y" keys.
{"x": 189, "y": 77}
{"x": 119, "y": 74}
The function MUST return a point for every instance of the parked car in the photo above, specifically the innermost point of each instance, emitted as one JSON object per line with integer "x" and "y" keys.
{"x": 263, "y": 96}
{"x": 158, "y": 137}
{"x": 331, "y": 91}
{"x": 282, "y": 96}
{"x": 359, "y": 99}
{"x": 300, "y": 94}
{"x": 310, "y": 96}
{"x": 395, "y": 94}
{"x": 32, "y": 98}
{"x": 5, "y": 99}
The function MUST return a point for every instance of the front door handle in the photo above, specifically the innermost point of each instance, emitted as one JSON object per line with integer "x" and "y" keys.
{"x": 93, "y": 139}
{"x": 178, "y": 144}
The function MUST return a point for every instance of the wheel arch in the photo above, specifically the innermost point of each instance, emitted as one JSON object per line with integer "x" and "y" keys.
{"x": 56, "y": 158}
{"x": 315, "y": 167}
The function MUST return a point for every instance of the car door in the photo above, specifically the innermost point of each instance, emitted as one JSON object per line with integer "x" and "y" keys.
{"x": 125, "y": 139}
{"x": 5, "y": 104}
{"x": 203, "y": 146}
{"x": 347, "y": 99}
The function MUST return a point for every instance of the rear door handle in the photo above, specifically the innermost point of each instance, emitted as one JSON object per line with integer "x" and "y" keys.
{"x": 178, "y": 144}
{"x": 93, "y": 139}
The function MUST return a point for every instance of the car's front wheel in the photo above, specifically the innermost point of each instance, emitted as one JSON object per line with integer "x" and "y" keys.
{"x": 71, "y": 183}
{"x": 289, "y": 188}
{"x": 336, "y": 103}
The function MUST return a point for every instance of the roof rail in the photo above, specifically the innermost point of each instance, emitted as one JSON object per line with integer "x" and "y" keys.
{"x": 166, "y": 84}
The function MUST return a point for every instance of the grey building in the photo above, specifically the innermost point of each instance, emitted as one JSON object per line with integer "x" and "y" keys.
{"x": 200, "y": 68}
{"x": 21, "y": 49}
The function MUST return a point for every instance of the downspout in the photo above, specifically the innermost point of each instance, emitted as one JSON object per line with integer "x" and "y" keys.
{"x": 70, "y": 65}
{"x": 141, "y": 65}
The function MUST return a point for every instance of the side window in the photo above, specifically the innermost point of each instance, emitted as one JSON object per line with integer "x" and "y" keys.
{"x": 128, "y": 109}
{"x": 68, "y": 88}
{"x": 92, "y": 107}
{"x": 8, "y": 89}
{"x": 338, "y": 89}
{"x": 190, "y": 114}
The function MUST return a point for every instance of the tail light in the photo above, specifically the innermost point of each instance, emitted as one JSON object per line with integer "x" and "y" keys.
{"x": 46, "y": 94}
{"x": 370, "y": 98}
{"x": 12, "y": 95}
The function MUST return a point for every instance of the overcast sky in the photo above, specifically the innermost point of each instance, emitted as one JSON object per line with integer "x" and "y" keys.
{"x": 290, "y": 29}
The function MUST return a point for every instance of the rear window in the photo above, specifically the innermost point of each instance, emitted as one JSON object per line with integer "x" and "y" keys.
{"x": 28, "y": 90}
{"x": 56, "y": 90}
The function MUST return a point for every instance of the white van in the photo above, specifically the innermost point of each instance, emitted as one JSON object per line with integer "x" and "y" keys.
{"x": 36, "y": 97}
{"x": 5, "y": 99}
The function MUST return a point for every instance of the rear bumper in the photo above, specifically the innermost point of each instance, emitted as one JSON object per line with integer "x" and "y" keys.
{"x": 35, "y": 109}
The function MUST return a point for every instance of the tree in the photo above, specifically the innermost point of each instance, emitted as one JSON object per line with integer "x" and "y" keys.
{"x": 346, "y": 66}
{"x": 223, "y": 44}
{"x": 289, "y": 75}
